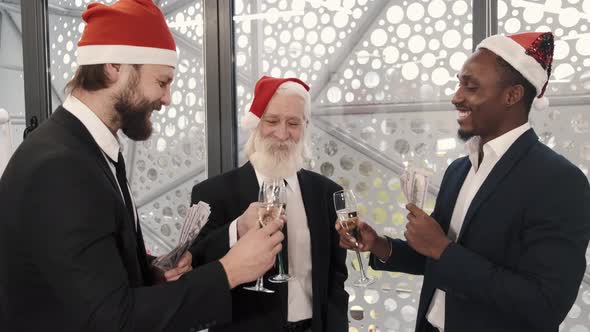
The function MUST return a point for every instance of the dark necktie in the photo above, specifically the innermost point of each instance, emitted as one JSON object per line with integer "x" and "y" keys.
{"x": 122, "y": 179}
{"x": 285, "y": 244}
{"x": 285, "y": 255}
{"x": 136, "y": 227}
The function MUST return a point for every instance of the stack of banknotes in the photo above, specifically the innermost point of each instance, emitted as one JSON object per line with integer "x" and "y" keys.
{"x": 196, "y": 217}
{"x": 414, "y": 184}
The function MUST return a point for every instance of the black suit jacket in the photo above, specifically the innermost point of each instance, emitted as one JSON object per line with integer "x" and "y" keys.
{"x": 70, "y": 258}
{"x": 520, "y": 255}
{"x": 229, "y": 195}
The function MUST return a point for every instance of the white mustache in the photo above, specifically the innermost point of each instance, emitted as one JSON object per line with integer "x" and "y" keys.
{"x": 277, "y": 158}
{"x": 274, "y": 145}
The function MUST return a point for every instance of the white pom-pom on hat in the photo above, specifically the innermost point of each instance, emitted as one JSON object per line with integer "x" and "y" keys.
{"x": 250, "y": 121}
{"x": 4, "y": 116}
{"x": 541, "y": 103}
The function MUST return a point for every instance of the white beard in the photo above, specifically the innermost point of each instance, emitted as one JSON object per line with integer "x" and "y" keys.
{"x": 276, "y": 160}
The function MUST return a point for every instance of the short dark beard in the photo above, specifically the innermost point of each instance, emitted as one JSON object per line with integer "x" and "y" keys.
{"x": 463, "y": 135}
{"x": 135, "y": 116}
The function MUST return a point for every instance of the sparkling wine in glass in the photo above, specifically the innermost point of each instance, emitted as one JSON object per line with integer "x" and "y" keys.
{"x": 279, "y": 187}
{"x": 346, "y": 209}
{"x": 267, "y": 212}
{"x": 271, "y": 198}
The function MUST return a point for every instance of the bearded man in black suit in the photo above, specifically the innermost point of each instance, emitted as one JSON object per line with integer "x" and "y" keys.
{"x": 72, "y": 256}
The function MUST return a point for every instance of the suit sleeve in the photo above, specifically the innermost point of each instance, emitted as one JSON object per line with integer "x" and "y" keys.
{"x": 212, "y": 243}
{"x": 337, "y": 315}
{"x": 552, "y": 262}
{"x": 403, "y": 258}
{"x": 71, "y": 216}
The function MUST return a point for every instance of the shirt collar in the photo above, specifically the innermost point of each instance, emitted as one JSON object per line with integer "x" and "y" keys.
{"x": 495, "y": 148}
{"x": 101, "y": 134}
{"x": 292, "y": 181}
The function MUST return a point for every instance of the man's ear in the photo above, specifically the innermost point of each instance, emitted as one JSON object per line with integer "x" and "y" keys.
{"x": 514, "y": 94}
{"x": 112, "y": 71}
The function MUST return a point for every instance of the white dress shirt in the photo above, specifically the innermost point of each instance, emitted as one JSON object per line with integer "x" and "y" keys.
{"x": 108, "y": 143}
{"x": 300, "y": 295}
{"x": 492, "y": 153}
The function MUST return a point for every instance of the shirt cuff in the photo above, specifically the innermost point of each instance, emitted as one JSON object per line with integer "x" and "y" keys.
{"x": 233, "y": 232}
{"x": 390, "y": 251}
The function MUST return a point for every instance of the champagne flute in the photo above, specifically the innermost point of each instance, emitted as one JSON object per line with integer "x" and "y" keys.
{"x": 269, "y": 210}
{"x": 278, "y": 194}
{"x": 346, "y": 208}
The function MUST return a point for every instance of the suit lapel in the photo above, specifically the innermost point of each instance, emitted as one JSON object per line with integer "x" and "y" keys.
{"x": 500, "y": 170}
{"x": 76, "y": 127}
{"x": 451, "y": 192}
{"x": 65, "y": 118}
{"x": 137, "y": 248}
{"x": 247, "y": 186}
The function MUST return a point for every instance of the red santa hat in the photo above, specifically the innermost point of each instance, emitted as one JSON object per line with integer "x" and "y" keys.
{"x": 530, "y": 53}
{"x": 263, "y": 92}
{"x": 129, "y": 32}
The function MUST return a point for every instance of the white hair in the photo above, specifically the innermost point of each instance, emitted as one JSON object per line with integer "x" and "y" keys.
{"x": 289, "y": 88}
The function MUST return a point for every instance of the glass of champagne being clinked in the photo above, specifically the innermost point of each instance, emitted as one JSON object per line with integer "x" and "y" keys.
{"x": 346, "y": 209}
{"x": 275, "y": 193}
{"x": 270, "y": 209}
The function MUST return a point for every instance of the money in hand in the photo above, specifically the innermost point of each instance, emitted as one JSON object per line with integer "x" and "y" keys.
{"x": 414, "y": 184}
{"x": 196, "y": 217}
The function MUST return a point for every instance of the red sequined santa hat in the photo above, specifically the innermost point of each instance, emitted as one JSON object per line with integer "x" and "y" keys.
{"x": 530, "y": 53}
{"x": 127, "y": 32}
{"x": 263, "y": 91}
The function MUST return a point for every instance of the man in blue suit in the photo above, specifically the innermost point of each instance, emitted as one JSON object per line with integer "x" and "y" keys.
{"x": 504, "y": 249}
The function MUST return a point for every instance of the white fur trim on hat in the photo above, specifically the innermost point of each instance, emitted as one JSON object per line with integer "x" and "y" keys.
{"x": 515, "y": 55}
{"x": 136, "y": 55}
{"x": 250, "y": 121}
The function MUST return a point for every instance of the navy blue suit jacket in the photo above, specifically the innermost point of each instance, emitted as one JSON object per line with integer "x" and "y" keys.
{"x": 520, "y": 255}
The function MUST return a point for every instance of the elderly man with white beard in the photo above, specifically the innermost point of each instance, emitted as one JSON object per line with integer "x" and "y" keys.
{"x": 278, "y": 146}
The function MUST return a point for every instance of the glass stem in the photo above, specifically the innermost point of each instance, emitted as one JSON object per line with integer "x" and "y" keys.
{"x": 281, "y": 267}
{"x": 362, "y": 268}
{"x": 259, "y": 283}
